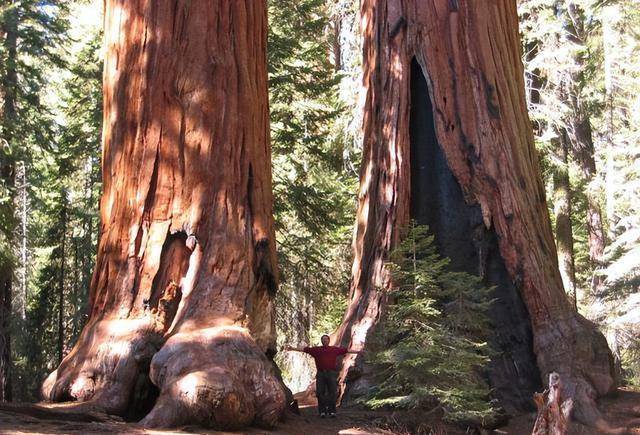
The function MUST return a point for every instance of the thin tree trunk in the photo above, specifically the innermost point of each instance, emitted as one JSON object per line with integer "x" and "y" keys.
{"x": 562, "y": 198}
{"x": 87, "y": 242}
{"x": 63, "y": 220}
{"x": 76, "y": 285}
{"x": 578, "y": 126}
{"x": 182, "y": 293}
{"x": 20, "y": 298}
{"x": 608, "y": 13}
{"x": 9, "y": 83}
{"x": 562, "y": 201}
{"x": 336, "y": 30}
{"x": 5, "y": 339}
{"x": 469, "y": 53}
{"x": 579, "y": 129}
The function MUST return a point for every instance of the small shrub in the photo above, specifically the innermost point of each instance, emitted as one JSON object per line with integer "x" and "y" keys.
{"x": 431, "y": 340}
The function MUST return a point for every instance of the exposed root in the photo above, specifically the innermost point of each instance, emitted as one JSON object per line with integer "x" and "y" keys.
{"x": 216, "y": 377}
{"x": 103, "y": 366}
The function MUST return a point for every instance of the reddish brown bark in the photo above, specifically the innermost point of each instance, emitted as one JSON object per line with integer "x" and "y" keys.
{"x": 469, "y": 53}
{"x": 185, "y": 274}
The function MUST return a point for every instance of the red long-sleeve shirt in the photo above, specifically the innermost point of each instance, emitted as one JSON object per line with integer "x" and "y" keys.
{"x": 325, "y": 356}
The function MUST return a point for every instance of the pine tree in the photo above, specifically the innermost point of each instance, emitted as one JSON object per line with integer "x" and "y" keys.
{"x": 30, "y": 33}
{"x": 432, "y": 338}
{"x": 312, "y": 184}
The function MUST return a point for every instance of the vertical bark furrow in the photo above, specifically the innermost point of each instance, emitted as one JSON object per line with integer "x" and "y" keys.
{"x": 471, "y": 60}
{"x": 185, "y": 276}
{"x": 459, "y": 233}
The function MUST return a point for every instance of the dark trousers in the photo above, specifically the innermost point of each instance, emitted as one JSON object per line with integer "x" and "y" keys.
{"x": 326, "y": 390}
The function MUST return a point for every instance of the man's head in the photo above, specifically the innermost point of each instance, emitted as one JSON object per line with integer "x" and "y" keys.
{"x": 325, "y": 340}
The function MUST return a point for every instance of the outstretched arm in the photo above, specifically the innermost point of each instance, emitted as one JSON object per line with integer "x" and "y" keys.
{"x": 355, "y": 351}
{"x": 293, "y": 349}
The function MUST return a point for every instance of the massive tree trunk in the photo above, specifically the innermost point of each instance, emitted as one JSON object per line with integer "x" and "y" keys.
{"x": 181, "y": 296}
{"x": 448, "y": 142}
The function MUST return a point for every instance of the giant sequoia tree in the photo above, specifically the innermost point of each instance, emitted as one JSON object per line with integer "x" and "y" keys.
{"x": 181, "y": 296}
{"x": 448, "y": 142}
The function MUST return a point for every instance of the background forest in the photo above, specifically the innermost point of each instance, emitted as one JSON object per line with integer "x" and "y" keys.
{"x": 582, "y": 63}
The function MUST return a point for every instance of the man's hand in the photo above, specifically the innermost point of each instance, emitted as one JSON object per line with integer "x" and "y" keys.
{"x": 293, "y": 349}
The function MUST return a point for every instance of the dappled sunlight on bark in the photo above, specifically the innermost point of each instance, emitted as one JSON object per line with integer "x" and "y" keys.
{"x": 183, "y": 288}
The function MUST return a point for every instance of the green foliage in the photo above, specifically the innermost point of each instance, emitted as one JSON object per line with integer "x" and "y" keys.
{"x": 31, "y": 34}
{"x": 620, "y": 21}
{"x": 597, "y": 42}
{"x": 313, "y": 190}
{"x": 431, "y": 343}
{"x": 63, "y": 221}
{"x": 630, "y": 359}
{"x": 38, "y": 349}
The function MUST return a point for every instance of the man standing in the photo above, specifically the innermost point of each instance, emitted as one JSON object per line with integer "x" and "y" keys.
{"x": 325, "y": 357}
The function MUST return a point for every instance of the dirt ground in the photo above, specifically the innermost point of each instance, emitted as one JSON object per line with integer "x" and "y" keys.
{"x": 622, "y": 410}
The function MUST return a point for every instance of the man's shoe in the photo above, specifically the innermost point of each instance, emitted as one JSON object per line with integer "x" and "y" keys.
{"x": 332, "y": 415}
{"x": 323, "y": 415}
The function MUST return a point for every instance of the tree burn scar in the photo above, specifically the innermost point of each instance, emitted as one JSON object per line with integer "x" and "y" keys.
{"x": 453, "y": 5}
{"x": 166, "y": 291}
{"x": 472, "y": 157}
{"x": 153, "y": 184}
{"x": 397, "y": 27}
{"x": 522, "y": 183}
{"x": 490, "y": 94}
{"x": 264, "y": 272}
{"x": 138, "y": 241}
{"x": 250, "y": 193}
{"x": 191, "y": 242}
{"x": 437, "y": 200}
{"x": 144, "y": 393}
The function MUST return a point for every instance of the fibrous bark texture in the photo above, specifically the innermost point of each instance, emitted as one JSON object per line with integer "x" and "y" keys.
{"x": 181, "y": 296}
{"x": 554, "y": 412}
{"x": 481, "y": 143}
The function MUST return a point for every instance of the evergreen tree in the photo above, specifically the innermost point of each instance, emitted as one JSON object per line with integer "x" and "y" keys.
{"x": 583, "y": 60}
{"x": 66, "y": 215}
{"x": 312, "y": 185}
{"x": 30, "y": 33}
{"x": 431, "y": 342}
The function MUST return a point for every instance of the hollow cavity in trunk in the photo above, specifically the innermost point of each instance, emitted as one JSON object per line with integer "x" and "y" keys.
{"x": 460, "y": 234}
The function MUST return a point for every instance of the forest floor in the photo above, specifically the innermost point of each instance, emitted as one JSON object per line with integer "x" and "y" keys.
{"x": 621, "y": 410}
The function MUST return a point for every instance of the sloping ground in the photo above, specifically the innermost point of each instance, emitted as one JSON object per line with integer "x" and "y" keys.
{"x": 623, "y": 410}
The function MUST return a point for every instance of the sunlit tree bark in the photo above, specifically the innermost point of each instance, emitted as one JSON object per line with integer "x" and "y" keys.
{"x": 181, "y": 297}
{"x": 469, "y": 55}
